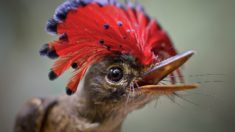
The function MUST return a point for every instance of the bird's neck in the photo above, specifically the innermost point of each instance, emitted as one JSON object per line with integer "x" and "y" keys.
{"x": 103, "y": 116}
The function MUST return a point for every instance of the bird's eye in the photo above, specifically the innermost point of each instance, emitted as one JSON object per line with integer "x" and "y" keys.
{"x": 115, "y": 74}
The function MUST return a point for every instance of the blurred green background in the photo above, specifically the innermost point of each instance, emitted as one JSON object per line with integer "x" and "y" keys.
{"x": 206, "y": 26}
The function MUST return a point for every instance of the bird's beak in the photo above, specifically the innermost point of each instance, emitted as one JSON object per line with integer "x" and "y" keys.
{"x": 152, "y": 77}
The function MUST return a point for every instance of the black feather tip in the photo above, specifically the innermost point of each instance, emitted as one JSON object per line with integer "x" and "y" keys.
{"x": 69, "y": 92}
{"x": 101, "y": 42}
{"x": 44, "y": 50}
{"x": 52, "y": 26}
{"x": 52, "y": 75}
{"x": 52, "y": 54}
{"x": 74, "y": 65}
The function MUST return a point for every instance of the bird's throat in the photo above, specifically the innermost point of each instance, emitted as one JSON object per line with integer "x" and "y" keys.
{"x": 102, "y": 116}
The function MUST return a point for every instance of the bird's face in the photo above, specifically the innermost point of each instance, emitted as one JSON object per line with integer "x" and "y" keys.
{"x": 121, "y": 79}
{"x": 112, "y": 78}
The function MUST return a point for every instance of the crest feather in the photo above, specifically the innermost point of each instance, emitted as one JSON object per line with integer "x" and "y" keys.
{"x": 92, "y": 29}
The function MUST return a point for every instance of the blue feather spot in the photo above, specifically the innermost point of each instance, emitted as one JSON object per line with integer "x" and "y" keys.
{"x": 44, "y": 50}
{"x": 64, "y": 37}
{"x": 52, "y": 26}
{"x": 106, "y": 26}
{"x": 52, "y": 54}
{"x": 119, "y": 23}
{"x": 63, "y": 9}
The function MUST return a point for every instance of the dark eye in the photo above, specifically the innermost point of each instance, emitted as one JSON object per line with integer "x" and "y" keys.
{"x": 115, "y": 74}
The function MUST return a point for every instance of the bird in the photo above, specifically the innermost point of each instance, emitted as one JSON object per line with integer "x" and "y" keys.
{"x": 120, "y": 57}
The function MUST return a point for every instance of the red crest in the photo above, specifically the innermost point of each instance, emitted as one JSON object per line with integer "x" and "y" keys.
{"x": 89, "y": 30}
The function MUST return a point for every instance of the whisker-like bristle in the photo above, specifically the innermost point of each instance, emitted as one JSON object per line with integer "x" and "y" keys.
{"x": 185, "y": 99}
{"x": 172, "y": 78}
{"x": 175, "y": 102}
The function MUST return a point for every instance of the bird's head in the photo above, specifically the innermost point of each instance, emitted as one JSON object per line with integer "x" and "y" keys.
{"x": 117, "y": 78}
{"x": 119, "y": 51}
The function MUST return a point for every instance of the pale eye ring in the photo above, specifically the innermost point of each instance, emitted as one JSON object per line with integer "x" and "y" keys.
{"x": 115, "y": 74}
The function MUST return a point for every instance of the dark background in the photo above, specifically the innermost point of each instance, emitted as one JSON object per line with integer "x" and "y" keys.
{"x": 206, "y": 26}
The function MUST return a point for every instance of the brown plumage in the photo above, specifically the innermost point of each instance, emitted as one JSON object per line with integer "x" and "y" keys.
{"x": 96, "y": 107}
